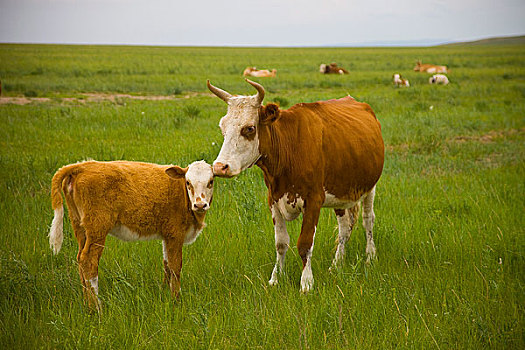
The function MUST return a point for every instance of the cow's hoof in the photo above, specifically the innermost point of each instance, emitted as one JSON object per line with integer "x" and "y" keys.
{"x": 307, "y": 283}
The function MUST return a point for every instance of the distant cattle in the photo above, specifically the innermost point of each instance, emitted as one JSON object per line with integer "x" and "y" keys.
{"x": 312, "y": 155}
{"x": 332, "y": 68}
{"x": 429, "y": 68}
{"x": 260, "y": 73}
{"x": 399, "y": 81}
{"x": 438, "y": 79}
{"x": 131, "y": 201}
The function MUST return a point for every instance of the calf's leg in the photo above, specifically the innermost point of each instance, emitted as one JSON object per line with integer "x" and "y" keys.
{"x": 167, "y": 273}
{"x": 174, "y": 254}
{"x": 88, "y": 267}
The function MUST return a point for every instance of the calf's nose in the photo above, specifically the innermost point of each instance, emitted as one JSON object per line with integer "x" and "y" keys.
{"x": 200, "y": 205}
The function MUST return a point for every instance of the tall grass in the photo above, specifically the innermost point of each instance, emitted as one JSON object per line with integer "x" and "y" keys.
{"x": 449, "y": 206}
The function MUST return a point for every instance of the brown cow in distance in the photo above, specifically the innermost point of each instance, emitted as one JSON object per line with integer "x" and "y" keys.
{"x": 322, "y": 154}
{"x": 332, "y": 68}
{"x": 259, "y": 73}
{"x": 429, "y": 68}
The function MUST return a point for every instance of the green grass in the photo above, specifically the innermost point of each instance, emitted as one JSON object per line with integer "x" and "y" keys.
{"x": 449, "y": 207}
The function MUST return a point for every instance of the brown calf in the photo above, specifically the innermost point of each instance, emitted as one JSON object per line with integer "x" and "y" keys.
{"x": 131, "y": 201}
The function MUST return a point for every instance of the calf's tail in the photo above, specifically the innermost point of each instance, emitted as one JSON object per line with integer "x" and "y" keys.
{"x": 56, "y": 233}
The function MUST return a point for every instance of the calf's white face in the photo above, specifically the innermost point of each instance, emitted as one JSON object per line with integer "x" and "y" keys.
{"x": 239, "y": 127}
{"x": 199, "y": 184}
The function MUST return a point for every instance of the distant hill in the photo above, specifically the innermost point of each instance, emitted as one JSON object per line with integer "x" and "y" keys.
{"x": 508, "y": 40}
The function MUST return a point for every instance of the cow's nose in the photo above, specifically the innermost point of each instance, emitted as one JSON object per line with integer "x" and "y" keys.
{"x": 221, "y": 169}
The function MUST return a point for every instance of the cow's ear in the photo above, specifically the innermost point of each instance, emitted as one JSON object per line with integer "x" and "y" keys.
{"x": 269, "y": 113}
{"x": 176, "y": 172}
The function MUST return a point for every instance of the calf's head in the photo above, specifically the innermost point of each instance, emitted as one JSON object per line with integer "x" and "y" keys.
{"x": 199, "y": 183}
{"x": 240, "y": 128}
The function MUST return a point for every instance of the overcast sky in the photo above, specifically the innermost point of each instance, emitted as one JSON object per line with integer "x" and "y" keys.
{"x": 258, "y": 23}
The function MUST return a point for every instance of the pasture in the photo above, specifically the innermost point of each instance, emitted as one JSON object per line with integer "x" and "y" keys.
{"x": 449, "y": 232}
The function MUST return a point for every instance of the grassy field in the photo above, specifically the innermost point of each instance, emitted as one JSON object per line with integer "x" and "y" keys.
{"x": 450, "y": 228}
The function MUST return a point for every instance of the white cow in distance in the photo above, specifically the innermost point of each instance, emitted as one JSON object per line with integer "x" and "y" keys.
{"x": 438, "y": 79}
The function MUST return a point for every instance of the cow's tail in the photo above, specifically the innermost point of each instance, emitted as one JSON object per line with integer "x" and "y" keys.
{"x": 56, "y": 233}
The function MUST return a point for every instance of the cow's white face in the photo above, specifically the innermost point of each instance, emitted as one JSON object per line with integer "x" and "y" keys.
{"x": 240, "y": 149}
{"x": 199, "y": 184}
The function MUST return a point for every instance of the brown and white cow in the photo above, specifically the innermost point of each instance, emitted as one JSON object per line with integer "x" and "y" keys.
{"x": 332, "y": 68}
{"x": 429, "y": 68}
{"x": 131, "y": 201}
{"x": 259, "y": 73}
{"x": 400, "y": 81}
{"x": 313, "y": 155}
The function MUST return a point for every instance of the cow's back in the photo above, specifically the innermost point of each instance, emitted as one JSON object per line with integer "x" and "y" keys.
{"x": 352, "y": 146}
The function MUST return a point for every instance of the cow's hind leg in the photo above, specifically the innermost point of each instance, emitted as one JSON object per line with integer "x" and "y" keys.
{"x": 282, "y": 242}
{"x": 346, "y": 219}
{"x": 368, "y": 223}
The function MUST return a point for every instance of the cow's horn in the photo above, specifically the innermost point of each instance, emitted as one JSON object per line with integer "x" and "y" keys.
{"x": 223, "y": 95}
{"x": 259, "y": 88}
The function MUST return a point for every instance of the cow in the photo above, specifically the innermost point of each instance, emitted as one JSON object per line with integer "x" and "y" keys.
{"x": 131, "y": 201}
{"x": 438, "y": 79}
{"x": 429, "y": 68}
{"x": 399, "y": 81}
{"x": 332, "y": 68}
{"x": 262, "y": 73}
{"x": 312, "y": 155}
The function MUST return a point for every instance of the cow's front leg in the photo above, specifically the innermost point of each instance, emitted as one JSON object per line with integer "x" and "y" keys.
{"x": 282, "y": 242}
{"x": 305, "y": 243}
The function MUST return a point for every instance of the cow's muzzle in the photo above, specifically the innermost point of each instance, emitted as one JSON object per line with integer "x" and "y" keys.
{"x": 222, "y": 170}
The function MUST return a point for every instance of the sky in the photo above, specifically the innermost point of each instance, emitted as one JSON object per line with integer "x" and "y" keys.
{"x": 258, "y": 23}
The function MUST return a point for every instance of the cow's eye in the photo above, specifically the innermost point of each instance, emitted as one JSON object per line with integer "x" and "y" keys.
{"x": 248, "y": 130}
{"x": 188, "y": 183}
{"x": 210, "y": 184}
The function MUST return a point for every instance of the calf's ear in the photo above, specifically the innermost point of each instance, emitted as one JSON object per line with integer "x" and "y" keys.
{"x": 269, "y": 113}
{"x": 176, "y": 172}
